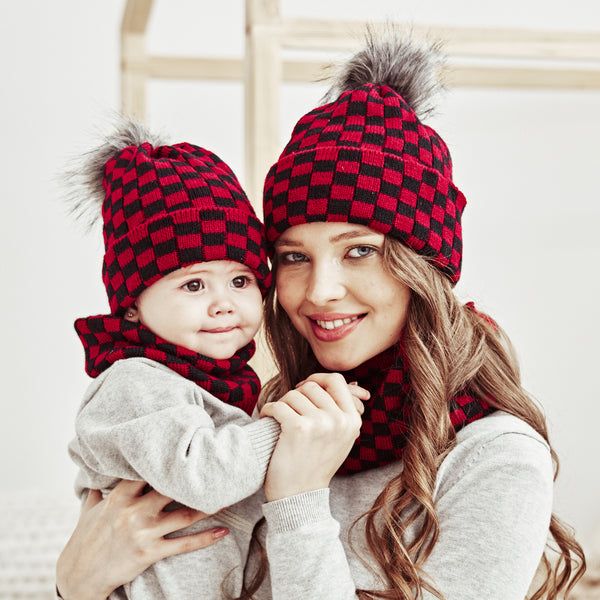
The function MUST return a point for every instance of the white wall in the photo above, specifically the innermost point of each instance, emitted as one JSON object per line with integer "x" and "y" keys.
{"x": 528, "y": 162}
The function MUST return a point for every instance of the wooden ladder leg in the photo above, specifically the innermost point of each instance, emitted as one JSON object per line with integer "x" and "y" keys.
{"x": 262, "y": 82}
{"x": 134, "y": 58}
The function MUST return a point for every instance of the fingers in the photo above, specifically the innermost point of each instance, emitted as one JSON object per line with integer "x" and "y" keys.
{"x": 320, "y": 407}
{"x": 308, "y": 397}
{"x": 154, "y": 501}
{"x": 359, "y": 392}
{"x": 128, "y": 492}
{"x": 358, "y": 401}
{"x": 324, "y": 379}
{"x": 187, "y": 543}
{"x": 280, "y": 411}
{"x": 345, "y": 396}
{"x": 125, "y": 492}
{"x": 178, "y": 519}
{"x": 94, "y": 497}
{"x": 148, "y": 507}
{"x": 320, "y": 391}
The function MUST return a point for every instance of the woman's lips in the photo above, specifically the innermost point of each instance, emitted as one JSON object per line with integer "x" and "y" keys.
{"x": 330, "y": 328}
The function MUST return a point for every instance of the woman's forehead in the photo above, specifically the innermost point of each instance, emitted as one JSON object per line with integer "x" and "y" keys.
{"x": 331, "y": 232}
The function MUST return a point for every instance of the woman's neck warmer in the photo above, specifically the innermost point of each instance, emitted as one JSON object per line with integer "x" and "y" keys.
{"x": 107, "y": 338}
{"x": 386, "y": 420}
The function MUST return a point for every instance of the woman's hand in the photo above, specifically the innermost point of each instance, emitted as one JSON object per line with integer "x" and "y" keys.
{"x": 320, "y": 420}
{"x": 119, "y": 537}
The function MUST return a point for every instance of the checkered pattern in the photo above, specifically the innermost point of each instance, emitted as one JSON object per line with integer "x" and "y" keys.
{"x": 367, "y": 159}
{"x": 465, "y": 409}
{"x": 483, "y": 316}
{"x": 170, "y": 206}
{"x": 386, "y": 420}
{"x": 107, "y": 339}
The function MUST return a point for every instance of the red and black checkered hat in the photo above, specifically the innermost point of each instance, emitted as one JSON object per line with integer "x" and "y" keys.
{"x": 166, "y": 207}
{"x": 367, "y": 158}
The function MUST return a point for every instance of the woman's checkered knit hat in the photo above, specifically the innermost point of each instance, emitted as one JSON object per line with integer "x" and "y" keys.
{"x": 165, "y": 207}
{"x": 366, "y": 157}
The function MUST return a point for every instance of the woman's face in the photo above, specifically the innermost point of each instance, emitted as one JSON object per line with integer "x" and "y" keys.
{"x": 332, "y": 283}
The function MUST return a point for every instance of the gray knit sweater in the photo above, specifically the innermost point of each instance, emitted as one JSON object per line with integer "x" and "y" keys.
{"x": 140, "y": 420}
{"x": 493, "y": 496}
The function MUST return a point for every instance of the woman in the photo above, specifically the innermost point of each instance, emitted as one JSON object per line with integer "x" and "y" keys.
{"x": 447, "y": 492}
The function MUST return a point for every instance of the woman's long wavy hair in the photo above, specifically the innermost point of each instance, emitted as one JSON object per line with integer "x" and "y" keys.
{"x": 450, "y": 347}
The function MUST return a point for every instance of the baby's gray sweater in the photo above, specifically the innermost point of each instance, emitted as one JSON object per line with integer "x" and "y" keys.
{"x": 493, "y": 497}
{"x": 140, "y": 420}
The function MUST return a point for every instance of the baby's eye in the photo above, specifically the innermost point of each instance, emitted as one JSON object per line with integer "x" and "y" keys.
{"x": 194, "y": 285}
{"x": 289, "y": 258}
{"x": 360, "y": 251}
{"x": 240, "y": 282}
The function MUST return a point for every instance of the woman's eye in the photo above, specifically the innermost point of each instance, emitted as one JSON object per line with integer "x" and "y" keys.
{"x": 360, "y": 251}
{"x": 289, "y": 258}
{"x": 240, "y": 282}
{"x": 193, "y": 286}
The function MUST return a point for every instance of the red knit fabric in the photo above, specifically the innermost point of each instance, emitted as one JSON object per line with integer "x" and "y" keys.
{"x": 170, "y": 206}
{"x": 386, "y": 420}
{"x": 367, "y": 159}
{"x": 107, "y": 339}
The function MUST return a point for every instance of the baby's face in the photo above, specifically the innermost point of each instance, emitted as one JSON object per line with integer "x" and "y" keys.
{"x": 213, "y": 308}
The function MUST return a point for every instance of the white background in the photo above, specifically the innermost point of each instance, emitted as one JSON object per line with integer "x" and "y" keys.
{"x": 528, "y": 162}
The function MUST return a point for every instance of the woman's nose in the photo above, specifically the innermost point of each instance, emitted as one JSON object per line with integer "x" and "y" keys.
{"x": 325, "y": 284}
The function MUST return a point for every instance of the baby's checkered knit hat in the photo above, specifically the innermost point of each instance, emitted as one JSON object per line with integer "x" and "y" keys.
{"x": 165, "y": 207}
{"x": 366, "y": 157}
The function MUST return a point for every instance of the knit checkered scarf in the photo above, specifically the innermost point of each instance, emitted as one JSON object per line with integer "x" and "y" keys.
{"x": 386, "y": 420}
{"x": 107, "y": 339}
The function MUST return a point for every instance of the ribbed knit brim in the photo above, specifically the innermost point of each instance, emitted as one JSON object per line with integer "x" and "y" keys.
{"x": 170, "y": 206}
{"x": 367, "y": 159}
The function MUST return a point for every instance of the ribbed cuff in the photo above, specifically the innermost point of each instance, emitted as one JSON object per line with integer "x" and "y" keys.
{"x": 263, "y": 435}
{"x": 296, "y": 511}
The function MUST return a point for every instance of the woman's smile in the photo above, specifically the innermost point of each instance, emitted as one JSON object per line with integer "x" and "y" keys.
{"x": 330, "y": 328}
{"x": 332, "y": 283}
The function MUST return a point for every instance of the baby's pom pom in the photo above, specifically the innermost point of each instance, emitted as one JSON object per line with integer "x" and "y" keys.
{"x": 83, "y": 180}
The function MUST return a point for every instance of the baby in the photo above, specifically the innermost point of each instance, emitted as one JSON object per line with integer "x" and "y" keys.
{"x": 185, "y": 269}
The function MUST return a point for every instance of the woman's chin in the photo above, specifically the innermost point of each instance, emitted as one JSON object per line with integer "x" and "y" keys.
{"x": 337, "y": 364}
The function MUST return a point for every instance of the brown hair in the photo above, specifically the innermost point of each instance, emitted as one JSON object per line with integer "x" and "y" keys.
{"x": 450, "y": 347}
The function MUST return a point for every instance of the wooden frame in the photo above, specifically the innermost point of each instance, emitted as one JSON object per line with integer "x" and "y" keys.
{"x": 478, "y": 57}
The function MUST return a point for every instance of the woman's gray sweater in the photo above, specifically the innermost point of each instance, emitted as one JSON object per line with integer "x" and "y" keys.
{"x": 493, "y": 497}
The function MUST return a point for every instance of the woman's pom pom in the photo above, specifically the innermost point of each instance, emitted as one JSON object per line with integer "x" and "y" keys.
{"x": 393, "y": 58}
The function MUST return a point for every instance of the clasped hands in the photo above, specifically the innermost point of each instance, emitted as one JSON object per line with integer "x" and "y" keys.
{"x": 320, "y": 420}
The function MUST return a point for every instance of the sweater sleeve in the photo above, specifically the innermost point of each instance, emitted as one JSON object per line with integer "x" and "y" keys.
{"x": 305, "y": 553}
{"x": 494, "y": 519}
{"x": 494, "y": 509}
{"x": 143, "y": 423}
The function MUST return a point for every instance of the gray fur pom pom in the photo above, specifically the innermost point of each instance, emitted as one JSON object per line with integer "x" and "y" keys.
{"x": 392, "y": 57}
{"x": 82, "y": 180}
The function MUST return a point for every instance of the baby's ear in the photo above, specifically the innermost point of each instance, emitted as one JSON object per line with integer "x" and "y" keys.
{"x": 132, "y": 314}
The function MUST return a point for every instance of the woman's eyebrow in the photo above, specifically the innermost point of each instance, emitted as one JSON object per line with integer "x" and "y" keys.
{"x": 282, "y": 241}
{"x": 349, "y": 235}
